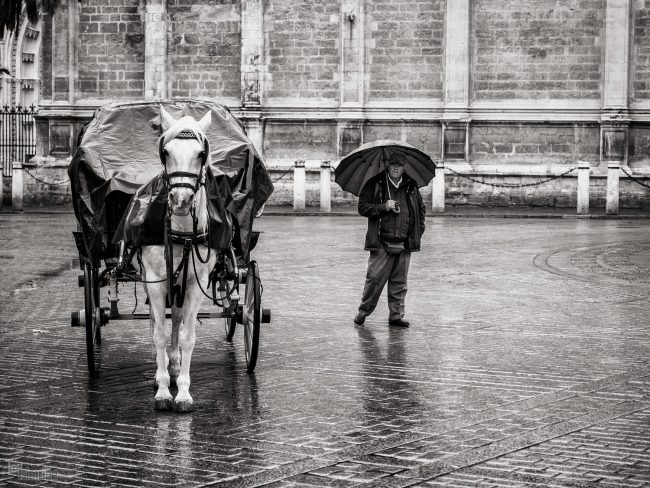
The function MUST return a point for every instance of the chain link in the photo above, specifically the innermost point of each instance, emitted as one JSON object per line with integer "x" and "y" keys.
{"x": 633, "y": 178}
{"x": 512, "y": 185}
{"x": 282, "y": 175}
{"x": 53, "y": 183}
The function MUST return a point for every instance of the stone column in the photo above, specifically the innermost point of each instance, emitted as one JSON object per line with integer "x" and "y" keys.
{"x": 438, "y": 189}
{"x": 252, "y": 51}
{"x": 611, "y": 206}
{"x": 155, "y": 49}
{"x": 1, "y": 187}
{"x": 17, "y": 186}
{"x": 299, "y": 185}
{"x": 583, "y": 188}
{"x": 325, "y": 187}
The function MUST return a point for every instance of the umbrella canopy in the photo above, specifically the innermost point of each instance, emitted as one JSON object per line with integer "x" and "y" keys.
{"x": 367, "y": 161}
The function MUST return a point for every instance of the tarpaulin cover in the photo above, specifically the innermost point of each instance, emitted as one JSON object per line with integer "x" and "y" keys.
{"x": 118, "y": 153}
{"x": 143, "y": 223}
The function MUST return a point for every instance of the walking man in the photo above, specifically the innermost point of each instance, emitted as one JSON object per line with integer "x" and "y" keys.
{"x": 393, "y": 205}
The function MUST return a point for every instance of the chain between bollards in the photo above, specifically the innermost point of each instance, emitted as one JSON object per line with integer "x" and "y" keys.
{"x": 512, "y": 185}
{"x": 53, "y": 183}
{"x": 633, "y": 178}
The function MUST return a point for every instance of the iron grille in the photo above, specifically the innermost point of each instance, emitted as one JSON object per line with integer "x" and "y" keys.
{"x": 17, "y": 140}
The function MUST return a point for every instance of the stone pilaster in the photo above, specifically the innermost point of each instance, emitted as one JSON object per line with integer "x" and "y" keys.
{"x": 155, "y": 50}
{"x": 614, "y": 116}
{"x": 352, "y": 53}
{"x": 457, "y": 69}
{"x": 457, "y": 61}
{"x": 63, "y": 52}
{"x": 617, "y": 49}
{"x": 252, "y": 52}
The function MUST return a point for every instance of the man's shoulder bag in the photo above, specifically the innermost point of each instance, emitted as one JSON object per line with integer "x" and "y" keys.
{"x": 394, "y": 247}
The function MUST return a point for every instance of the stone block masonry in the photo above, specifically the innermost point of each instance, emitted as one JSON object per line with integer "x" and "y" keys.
{"x": 302, "y": 49}
{"x": 111, "y": 50}
{"x": 204, "y": 49}
{"x": 502, "y": 88}
{"x": 405, "y": 49}
{"x": 641, "y": 26}
{"x": 541, "y": 49}
{"x": 533, "y": 143}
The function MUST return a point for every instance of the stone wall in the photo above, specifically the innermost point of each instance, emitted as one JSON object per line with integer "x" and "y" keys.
{"x": 405, "y": 49}
{"x": 535, "y": 49}
{"x": 204, "y": 48}
{"x": 111, "y": 50}
{"x": 526, "y": 143}
{"x": 302, "y": 49}
{"x": 499, "y": 89}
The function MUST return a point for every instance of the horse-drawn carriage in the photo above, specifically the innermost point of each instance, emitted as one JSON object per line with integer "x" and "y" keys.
{"x": 166, "y": 193}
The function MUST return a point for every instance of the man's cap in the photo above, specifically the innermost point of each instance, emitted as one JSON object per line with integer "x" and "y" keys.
{"x": 394, "y": 160}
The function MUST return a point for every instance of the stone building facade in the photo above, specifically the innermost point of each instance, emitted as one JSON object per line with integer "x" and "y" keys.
{"x": 502, "y": 91}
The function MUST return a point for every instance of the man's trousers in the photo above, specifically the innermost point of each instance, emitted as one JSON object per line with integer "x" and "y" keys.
{"x": 385, "y": 267}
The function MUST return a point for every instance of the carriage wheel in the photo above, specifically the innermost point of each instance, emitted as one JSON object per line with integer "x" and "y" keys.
{"x": 252, "y": 315}
{"x": 90, "y": 316}
{"x": 96, "y": 296}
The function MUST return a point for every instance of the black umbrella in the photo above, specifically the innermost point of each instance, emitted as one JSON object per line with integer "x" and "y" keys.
{"x": 367, "y": 161}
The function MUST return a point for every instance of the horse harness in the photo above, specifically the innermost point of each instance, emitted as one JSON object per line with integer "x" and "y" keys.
{"x": 189, "y": 240}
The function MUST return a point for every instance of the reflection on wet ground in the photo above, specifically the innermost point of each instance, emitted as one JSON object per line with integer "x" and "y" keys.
{"x": 526, "y": 365}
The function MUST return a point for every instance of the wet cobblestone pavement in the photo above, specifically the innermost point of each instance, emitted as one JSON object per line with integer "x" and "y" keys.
{"x": 526, "y": 365}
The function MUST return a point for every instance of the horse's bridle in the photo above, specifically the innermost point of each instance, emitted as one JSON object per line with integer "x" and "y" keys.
{"x": 176, "y": 293}
{"x": 184, "y": 134}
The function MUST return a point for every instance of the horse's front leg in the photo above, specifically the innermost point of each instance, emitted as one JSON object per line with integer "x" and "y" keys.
{"x": 187, "y": 337}
{"x": 157, "y": 293}
{"x": 175, "y": 354}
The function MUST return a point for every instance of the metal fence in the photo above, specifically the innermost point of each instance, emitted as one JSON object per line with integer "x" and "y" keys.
{"x": 17, "y": 139}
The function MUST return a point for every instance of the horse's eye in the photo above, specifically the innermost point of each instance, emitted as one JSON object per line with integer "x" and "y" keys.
{"x": 165, "y": 152}
{"x": 202, "y": 155}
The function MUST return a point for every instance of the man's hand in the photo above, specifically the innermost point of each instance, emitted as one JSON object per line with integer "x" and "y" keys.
{"x": 390, "y": 205}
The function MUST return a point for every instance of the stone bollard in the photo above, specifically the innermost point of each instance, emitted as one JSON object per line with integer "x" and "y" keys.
{"x": 325, "y": 187}
{"x": 17, "y": 186}
{"x": 583, "y": 188}
{"x": 299, "y": 185}
{"x": 611, "y": 206}
{"x": 1, "y": 187}
{"x": 438, "y": 189}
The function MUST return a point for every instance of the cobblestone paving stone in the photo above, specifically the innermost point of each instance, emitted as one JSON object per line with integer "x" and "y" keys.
{"x": 526, "y": 365}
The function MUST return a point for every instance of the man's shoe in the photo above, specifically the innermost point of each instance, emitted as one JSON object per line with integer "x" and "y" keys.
{"x": 398, "y": 323}
{"x": 359, "y": 319}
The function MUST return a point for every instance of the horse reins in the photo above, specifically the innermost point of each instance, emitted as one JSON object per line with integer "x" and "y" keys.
{"x": 189, "y": 240}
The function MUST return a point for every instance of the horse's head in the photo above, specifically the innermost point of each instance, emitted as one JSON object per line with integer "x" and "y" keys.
{"x": 184, "y": 153}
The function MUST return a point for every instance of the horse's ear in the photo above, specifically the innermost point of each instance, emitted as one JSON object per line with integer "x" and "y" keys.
{"x": 167, "y": 120}
{"x": 205, "y": 122}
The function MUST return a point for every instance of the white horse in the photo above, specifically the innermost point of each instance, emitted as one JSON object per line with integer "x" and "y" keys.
{"x": 185, "y": 154}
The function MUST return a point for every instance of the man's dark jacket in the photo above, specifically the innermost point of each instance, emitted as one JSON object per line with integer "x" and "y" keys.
{"x": 372, "y": 204}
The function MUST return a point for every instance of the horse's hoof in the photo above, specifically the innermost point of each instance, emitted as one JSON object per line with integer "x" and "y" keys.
{"x": 184, "y": 406}
{"x": 164, "y": 404}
